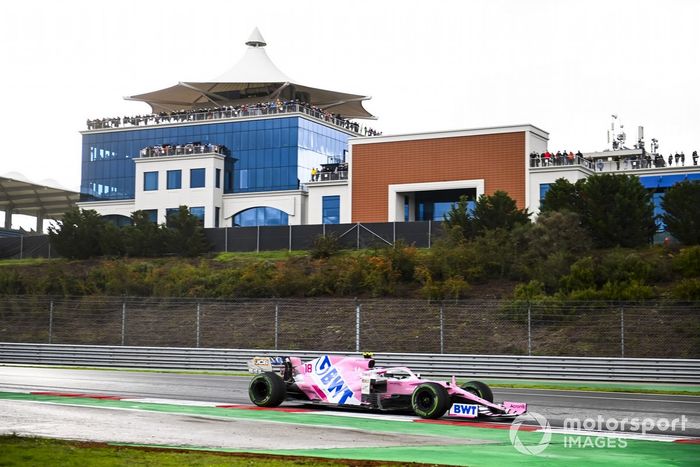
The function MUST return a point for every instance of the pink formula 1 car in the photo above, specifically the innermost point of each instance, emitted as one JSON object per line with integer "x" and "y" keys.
{"x": 354, "y": 381}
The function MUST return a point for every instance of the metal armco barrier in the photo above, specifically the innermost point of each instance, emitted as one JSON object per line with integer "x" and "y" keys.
{"x": 485, "y": 366}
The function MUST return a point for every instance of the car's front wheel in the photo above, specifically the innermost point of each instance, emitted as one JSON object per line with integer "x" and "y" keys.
{"x": 479, "y": 389}
{"x": 267, "y": 390}
{"x": 430, "y": 400}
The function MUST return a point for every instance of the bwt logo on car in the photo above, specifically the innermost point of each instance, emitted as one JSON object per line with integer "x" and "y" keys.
{"x": 332, "y": 383}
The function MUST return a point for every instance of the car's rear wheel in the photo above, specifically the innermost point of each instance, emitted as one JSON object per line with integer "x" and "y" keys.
{"x": 430, "y": 400}
{"x": 479, "y": 389}
{"x": 267, "y": 390}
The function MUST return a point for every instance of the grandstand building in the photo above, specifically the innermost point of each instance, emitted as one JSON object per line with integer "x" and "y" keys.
{"x": 255, "y": 148}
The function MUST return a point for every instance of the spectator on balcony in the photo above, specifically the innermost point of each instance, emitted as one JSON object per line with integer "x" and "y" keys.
{"x": 617, "y": 162}
{"x": 570, "y": 158}
{"x": 682, "y": 158}
{"x": 600, "y": 165}
{"x": 314, "y": 174}
{"x": 547, "y": 158}
{"x": 695, "y": 158}
{"x": 670, "y": 160}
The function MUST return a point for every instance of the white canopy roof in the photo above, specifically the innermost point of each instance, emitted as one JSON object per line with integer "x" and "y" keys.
{"x": 253, "y": 79}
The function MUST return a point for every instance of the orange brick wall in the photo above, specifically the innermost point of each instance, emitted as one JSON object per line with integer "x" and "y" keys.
{"x": 497, "y": 159}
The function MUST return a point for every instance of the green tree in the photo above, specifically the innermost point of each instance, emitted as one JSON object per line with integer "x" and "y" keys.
{"x": 78, "y": 234}
{"x": 185, "y": 235}
{"x": 681, "y": 204}
{"x": 498, "y": 211}
{"x": 144, "y": 237}
{"x": 458, "y": 219}
{"x": 563, "y": 196}
{"x": 617, "y": 211}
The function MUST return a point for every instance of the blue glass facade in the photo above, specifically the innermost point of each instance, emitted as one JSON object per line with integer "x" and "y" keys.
{"x": 264, "y": 155}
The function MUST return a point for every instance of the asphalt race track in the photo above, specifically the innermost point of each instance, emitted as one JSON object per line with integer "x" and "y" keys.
{"x": 181, "y": 410}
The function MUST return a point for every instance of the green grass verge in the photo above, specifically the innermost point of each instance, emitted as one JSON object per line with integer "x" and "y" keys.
{"x": 23, "y": 262}
{"x": 253, "y": 256}
{"x": 21, "y": 451}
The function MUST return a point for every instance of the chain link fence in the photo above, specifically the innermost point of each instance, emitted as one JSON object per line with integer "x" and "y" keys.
{"x": 646, "y": 329}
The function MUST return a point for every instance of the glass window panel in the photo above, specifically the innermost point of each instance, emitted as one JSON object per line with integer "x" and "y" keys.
{"x": 197, "y": 178}
{"x": 150, "y": 181}
{"x": 331, "y": 209}
{"x": 174, "y": 179}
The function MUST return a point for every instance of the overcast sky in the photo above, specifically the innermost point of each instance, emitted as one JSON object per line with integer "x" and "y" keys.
{"x": 564, "y": 66}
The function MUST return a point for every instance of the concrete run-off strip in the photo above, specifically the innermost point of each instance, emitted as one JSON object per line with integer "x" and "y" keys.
{"x": 307, "y": 433}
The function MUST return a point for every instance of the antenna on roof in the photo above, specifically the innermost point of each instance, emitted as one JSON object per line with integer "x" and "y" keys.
{"x": 256, "y": 39}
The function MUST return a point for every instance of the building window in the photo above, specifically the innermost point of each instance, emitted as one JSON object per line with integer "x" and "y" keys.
{"x": 331, "y": 209}
{"x": 174, "y": 179}
{"x": 150, "y": 181}
{"x": 152, "y": 215}
{"x": 217, "y": 213}
{"x": 170, "y": 212}
{"x": 217, "y": 179}
{"x": 544, "y": 188}
{"x": 198, "y": 212}
{"x": 197, "y": 178}
{"x": 260, "y": 216}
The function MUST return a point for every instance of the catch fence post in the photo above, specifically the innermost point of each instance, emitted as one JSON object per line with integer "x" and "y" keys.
{"x": 226, "y": 239}
{"x": 357, "y": 324}
{"x": 277, "y": 318}
{"x": 430, "y": 232}
{"x": 442, "y": 329}
{"x": 529, "y": 330}
{"x": 123, "y": 321}
{"x": 21, "y": 246}
{"x": 622, "y": 331}
{"x": 198, "y": 317}
{"x": 50, "y": 321}
{"x": 257, "y": 241}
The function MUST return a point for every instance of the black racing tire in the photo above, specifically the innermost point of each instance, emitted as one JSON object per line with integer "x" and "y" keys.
{"x": 267, "y": 390}
{"x": 430, "y": 400}
{"x": 479, "y": 389}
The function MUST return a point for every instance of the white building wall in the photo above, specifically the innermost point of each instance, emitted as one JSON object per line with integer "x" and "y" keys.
{"x": 291, "y": 202}
{"x": 317, "y": 190}
{"x": 106, "y": 208}
{"x": 209, "y": 197}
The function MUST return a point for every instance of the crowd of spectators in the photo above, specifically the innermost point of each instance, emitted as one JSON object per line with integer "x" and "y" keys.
{"x": 548, "y": 159}
{"x": 644, "y": 161}
{"x": 245, "y": 110}
{"x": 181, "y": 149}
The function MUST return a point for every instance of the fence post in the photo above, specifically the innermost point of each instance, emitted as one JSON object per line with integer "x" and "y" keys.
{"x": 529, "y": 330}
{"x": 357, "y": 322}
{"x": 123, "y": 321}
{"x": 430, "y": 232}
{"x": 394, "y": 242}
{"x": 277, "y": 318}
{"x": 226, "y": 239}
{"x": 198, "y": 317}
{"x": 49, "y": 249}
{"x": 50, "y": 321}
{"x": 442, "y": 329}
{"x": 21, "y": 246}
{"x": 622, "y": 331}
{"x": 290, "y": 237}
{"x": 257, "y": 241}
{"x": 358, "y": 236}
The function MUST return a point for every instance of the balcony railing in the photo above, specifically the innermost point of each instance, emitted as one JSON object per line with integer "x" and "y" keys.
{"x": 623, "y": 164}
{"x": 243, "y": 111}
{"x": 182, "y": 150}
{"x": 330, "y": 176}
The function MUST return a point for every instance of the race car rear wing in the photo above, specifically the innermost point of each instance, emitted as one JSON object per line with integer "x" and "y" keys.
{"x": 263, "y": 364}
